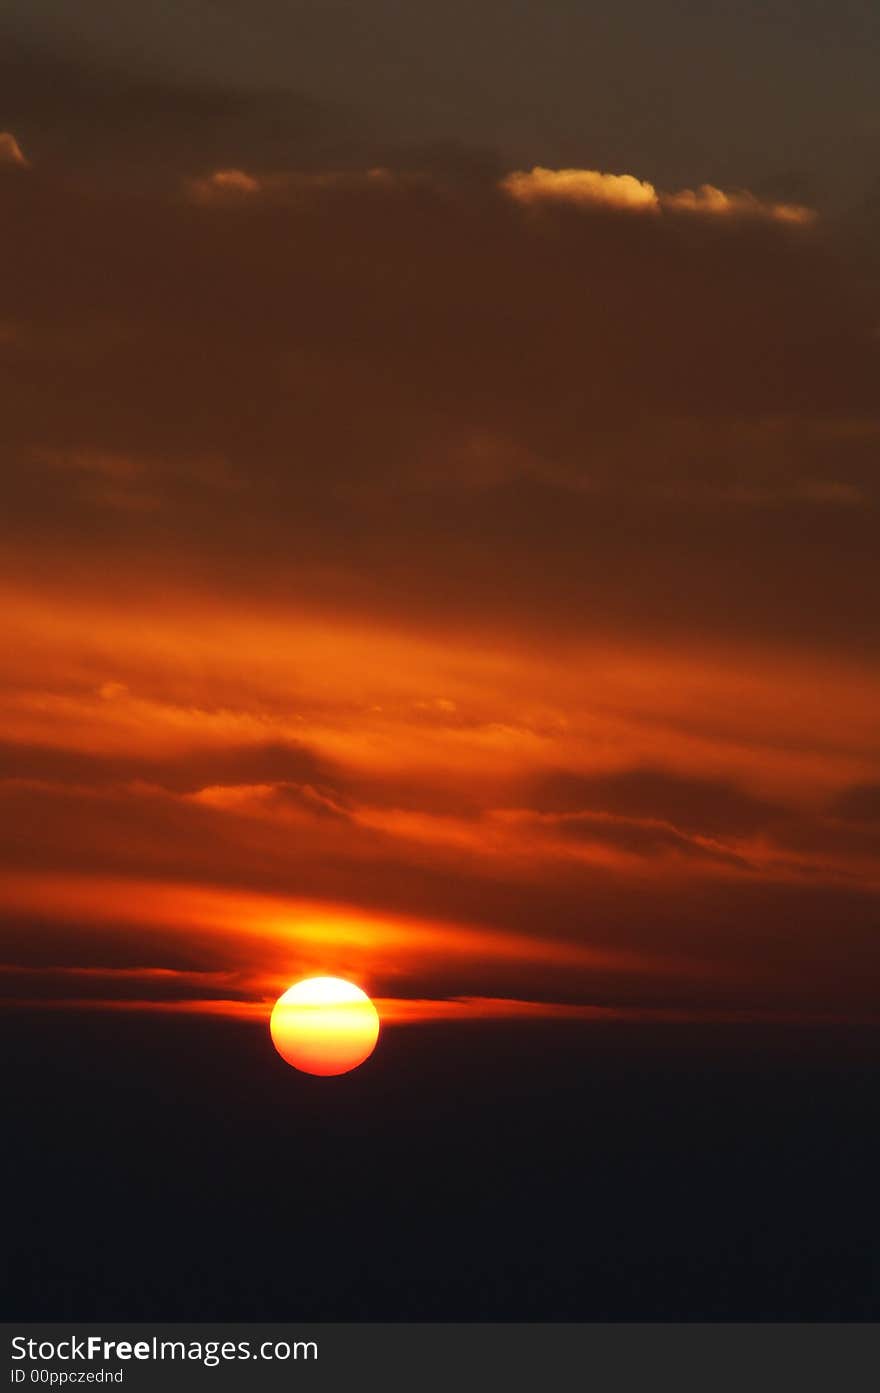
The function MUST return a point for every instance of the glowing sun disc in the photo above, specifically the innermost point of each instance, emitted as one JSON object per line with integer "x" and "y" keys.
{"x": 324, "y": 1025}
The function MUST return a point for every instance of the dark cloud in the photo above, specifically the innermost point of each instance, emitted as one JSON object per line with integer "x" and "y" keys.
{"x": 188, "y": 772}
{"x": 636, "y": 839}
{"x": 33, "y": 942}
{"x": 80, "y": 111}
{"x": 690, "y": 804}
{"x": 861, "y": 803}
{"x": 57, "y": 984}
{"x": 90, "y": 113}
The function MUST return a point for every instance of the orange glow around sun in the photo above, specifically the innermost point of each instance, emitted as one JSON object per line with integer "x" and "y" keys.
{"x": 324, "y": 1025}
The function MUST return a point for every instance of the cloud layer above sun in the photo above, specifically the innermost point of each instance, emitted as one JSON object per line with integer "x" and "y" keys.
{"x": 461, "y": 581}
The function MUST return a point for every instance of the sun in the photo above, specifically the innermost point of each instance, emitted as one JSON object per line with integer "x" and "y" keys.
{"x": 324, "y": 1025}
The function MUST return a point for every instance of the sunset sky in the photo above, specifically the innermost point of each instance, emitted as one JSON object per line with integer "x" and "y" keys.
{"x": 439, "y": 547}
{"x": 439, "y": 551}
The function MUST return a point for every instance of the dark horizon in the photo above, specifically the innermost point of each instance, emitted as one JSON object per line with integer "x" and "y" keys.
{"x": 547, "y": 1172}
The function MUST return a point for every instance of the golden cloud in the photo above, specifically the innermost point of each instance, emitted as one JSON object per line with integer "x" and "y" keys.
{"x": 709, "y": 199}
{"x": 594, "y": 188}
{"x": 10, "y": 150}
{"x": 230, "y": 182}
{"x": 580, "y": 186}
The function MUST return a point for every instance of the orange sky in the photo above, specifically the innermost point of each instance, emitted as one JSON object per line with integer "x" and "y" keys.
{"x": 467, "y": 590}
